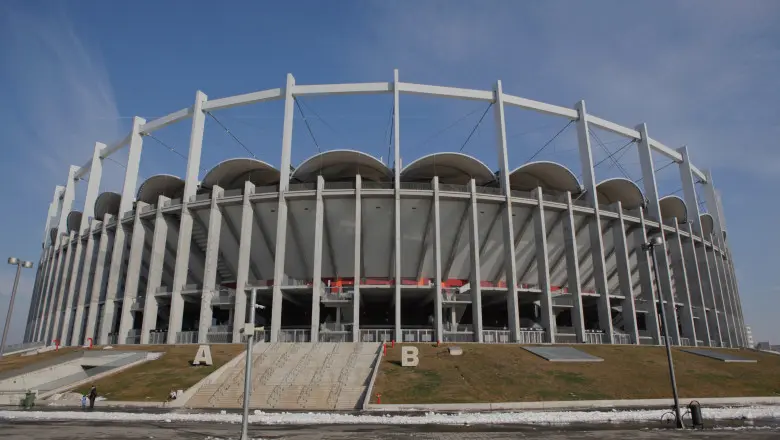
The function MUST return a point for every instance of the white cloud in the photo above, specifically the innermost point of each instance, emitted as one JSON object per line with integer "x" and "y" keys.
{"x": 65, "y": 99}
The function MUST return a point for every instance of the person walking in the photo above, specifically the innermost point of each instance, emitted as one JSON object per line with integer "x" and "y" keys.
{"x": 92, "y": 396}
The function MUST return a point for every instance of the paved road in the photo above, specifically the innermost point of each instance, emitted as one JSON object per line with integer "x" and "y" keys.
{"x": 174, "y": 431}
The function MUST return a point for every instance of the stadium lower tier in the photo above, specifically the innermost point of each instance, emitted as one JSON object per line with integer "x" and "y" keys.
{"x": 345, "y": 261}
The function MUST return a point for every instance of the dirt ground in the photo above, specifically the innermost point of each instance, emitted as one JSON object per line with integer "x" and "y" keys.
{"x": 507, "y": 373}
{"x": 17, "y": 361}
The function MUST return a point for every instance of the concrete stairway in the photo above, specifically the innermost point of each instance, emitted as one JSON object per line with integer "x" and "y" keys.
{"x": 323, "y": 376}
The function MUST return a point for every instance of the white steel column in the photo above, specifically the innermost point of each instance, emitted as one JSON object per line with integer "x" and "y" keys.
{"x": 137, "y": 244}
{"x": 397, "y": 205}
{"x": 182, "y": 265}
{"x": 281, "y": 216}
{"x": 731, "y": 294}
{"x": 358, "y": 257}
{"x": 98, "y": 278}
{"x": 154, "y": 277}
{"x": 704, "y": 261}
{"x": 543, "y": 267}
{"x": 475, "y": 277}
{"x": 624, "y": 275}
{"x": 47, "y": 316}
{"x": 681, "y": 284}
{"x": 733, "y": 279}
{"x": 694, "y": 224}
{"x": 695, "y": 285}
{"x": 510, "y": 265}
{"x": 70, "y": 288}
{"x": 36, "y": 295}
{"x": 437, "y": 261}
{"x": 87, "y": 270}
{"x": 727, "y": 291}
{"x": 596, "y": 240}
{"x": 46, "y": 291}
{"x": 718, "y": 290}
{"x": 654, "y": 210}
{"x": 644, "y": 266}
{"x": 62, "y": 289}
{"x": 573, "y": 269}
{"x": 83, "y": 261}
{"x": 244, "y": 257}
{"x": 210, "y": 267}
{"x": 316, "y": 277}
{"x": 120, "y": 239}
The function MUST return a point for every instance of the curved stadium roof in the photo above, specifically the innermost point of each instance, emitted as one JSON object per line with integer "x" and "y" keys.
{"x": 160, "y": 185}
{"x": 107, "y": 203}
{"x": 232, "y": 173}
{"x": 620, "y": 190}
{"x": 548, "y": 175}
{"x": 452, "y": 168}
{"x": 341, "y": 165}
{"x": 673, "y": 207}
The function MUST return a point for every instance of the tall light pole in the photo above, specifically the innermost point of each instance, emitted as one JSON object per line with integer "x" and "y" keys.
{"x": 249, "y": 330}
{"x": 650, "y": 247}
{"x": 19, "y": 265}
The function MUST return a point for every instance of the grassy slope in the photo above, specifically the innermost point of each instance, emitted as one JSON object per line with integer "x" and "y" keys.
{"x": 507, "y": 373}
{"x": 153, "y": 380}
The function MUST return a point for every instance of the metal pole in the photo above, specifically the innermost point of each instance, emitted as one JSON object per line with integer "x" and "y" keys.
{"x": 248, "y": 369}
{"x": 10, "y": 308}
{"x": 678, "y": 418}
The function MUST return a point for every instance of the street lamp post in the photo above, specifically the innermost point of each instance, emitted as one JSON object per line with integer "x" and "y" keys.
{"x": 650, "y": 247}
{"x": 249, "y": 330}
{"x": 19, "y": 265}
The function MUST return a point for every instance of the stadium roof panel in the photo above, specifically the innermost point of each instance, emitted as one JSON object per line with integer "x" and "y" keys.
{"x": 673, "y": 207}
{"x": 107, "y": 203}
{"x": 548, "y": 175}
{"x": 452, "y": 168}
{"x": 160, "y": 185}
{"x": 620, "y": 190}
{"x": 707, "y": 225}
{"x": 232, "y": 173}
{"x": 74, "y": 221}
{"x": 341, "y": 165}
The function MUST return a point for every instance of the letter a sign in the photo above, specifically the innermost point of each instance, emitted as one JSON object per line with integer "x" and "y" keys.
{"x": 203, "y": 356}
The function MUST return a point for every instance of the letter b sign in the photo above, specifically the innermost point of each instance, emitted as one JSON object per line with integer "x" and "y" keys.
{"x": 410, "y": 356}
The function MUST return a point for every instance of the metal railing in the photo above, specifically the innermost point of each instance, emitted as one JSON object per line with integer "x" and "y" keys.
{"x": 302, "y": 187}
{"x": 496, "y": 336}
{"x": 138, "y": 303}
{"x": 219, "y": 337}
{"x": 334, "y": 327}
{"x": 376, "y": 335}
{"x": 339, "y": 185}
{"x": 453, "y": 188}
{"x": 458, "y": 336}
{"x": 488, "y": 190}
{"x": 295, "y": 335}
{"x": 377, "y": 185}
{"x": 565, "y": 338}
{"x": 418, "y": 186}
{"x": 592, "y": 337}
{"x": 188, "y": 337}
{"x": 531, "y": 337}
{"x": 288, "y": 281}
{"x": 685, "y": 342}
{"x": 224, "y": 298}
{"x": 113, "y": 338}
{"x": 621, "y": 338}
{"x": 158, "y": 337}
{"x": 335, "y": 337}
{"x": 417, "y": 335}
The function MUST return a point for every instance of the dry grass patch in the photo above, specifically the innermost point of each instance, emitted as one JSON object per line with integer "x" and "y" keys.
{"x": 507, "y": 373}
{"x": 153, "y": 380}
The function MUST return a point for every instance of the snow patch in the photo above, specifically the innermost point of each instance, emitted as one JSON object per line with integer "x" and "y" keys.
{"x": 312, "y": 418}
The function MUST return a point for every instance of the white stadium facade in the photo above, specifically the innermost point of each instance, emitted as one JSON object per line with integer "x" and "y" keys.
{"x": 342, "y": 247}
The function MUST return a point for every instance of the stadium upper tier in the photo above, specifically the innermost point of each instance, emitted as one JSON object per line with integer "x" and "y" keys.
{"x": 341, "y": 246}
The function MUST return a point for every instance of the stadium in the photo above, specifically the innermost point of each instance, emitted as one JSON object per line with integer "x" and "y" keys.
{"x": 343, "y": 247}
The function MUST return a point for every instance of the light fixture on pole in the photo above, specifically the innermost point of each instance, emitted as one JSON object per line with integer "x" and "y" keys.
{"x": 650, "y": 247}
{"x": 249, "y": 331}
{"x": 19, "y": 265}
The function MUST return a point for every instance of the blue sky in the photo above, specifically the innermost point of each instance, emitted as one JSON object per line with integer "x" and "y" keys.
{"x": 699, "y": 73}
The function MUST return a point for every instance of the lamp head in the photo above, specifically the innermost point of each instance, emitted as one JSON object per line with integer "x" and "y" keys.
{"x": 27, "y": 264}
{"x": 12, "y": 260}
{"x": 656, "y": 241}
